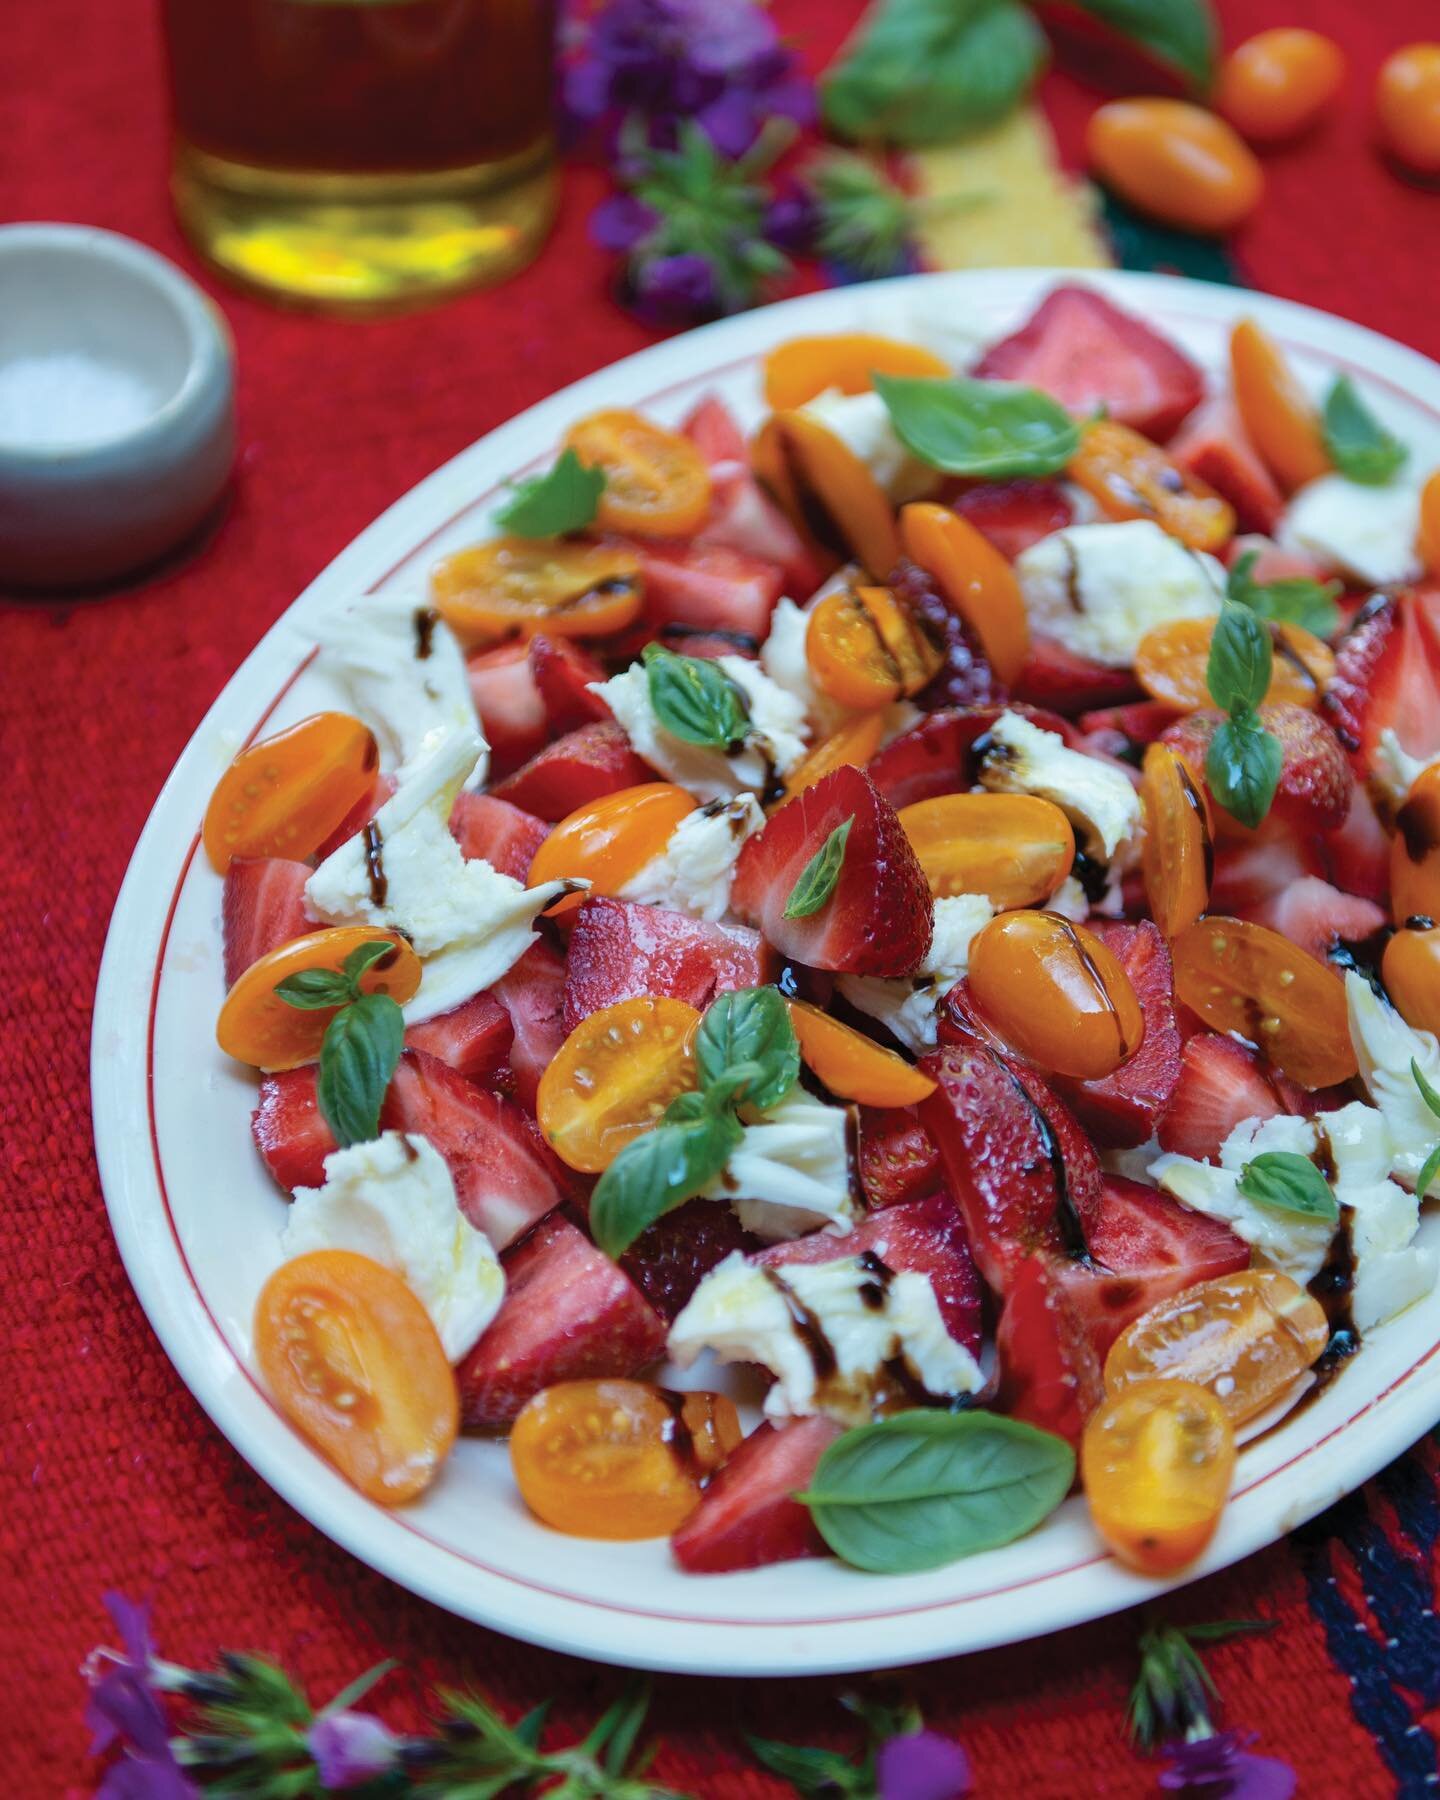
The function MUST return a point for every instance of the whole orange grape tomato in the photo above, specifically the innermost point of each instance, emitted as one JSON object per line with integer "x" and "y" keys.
{"x": 1279, "y": 83}
{"x": 1180, "y": 164}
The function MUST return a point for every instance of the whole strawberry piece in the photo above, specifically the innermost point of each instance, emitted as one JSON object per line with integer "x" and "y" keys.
{"x": 1316, "y": 781}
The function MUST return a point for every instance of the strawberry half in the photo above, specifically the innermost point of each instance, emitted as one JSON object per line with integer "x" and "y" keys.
{"x": 897, "y": 1157}
{"x": 1316, "y": 781}
{"x": 1222, "y": 1083}
{"x": 1015, "y": 514}
{"x": 620, "y": 949}
{"x": 569, "y": 1314}
{"x": 1251, "y": 867}
{"x": 289, "y": 1129}
{"x": 1049, "y": 1370}
{"x": 1120, "y": 1111}
{"x": 261, "y": 908}
{"x": 748, "y": 1515}
{"x": 1212, "y": 446}
{"x": 1357, "y": 853}
{"x": 878, "y": 918}
{"x": 1387, "y": 676}
{"x": 473, "y": 1038}
{"x": 672, "y": 1257}
{"x": 512, "y": 714}
{"x": 583, "y": 765}
{"x": 532, "y": 993}
{"x": 502, "y": 834}
{"x": 1317, "y": 917}
{"x": 563, "y": 671}
{"x": 935, "y": 756}
{"x": 1134, "y": 726}
{"x": 1056, "y": 677}
{"x": 709, "y": 586}
{"x": 742, "y": 516}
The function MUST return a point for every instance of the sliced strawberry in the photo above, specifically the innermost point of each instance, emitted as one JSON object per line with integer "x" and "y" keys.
{"x": 1387, "y": 676}
{"x": 620, "y": 949}
{"x": 583, "y": 765}
{"x": 1317, "y": 916}
{"x": 1221, "y": 1084}
{"x": 1056, "y": 677}
{"x": 1049, "y": 1370}
{"x": 569, "y": 1314}
{"x": 289, "y": 1129}
{"x": 504, "y": 1173}
{"x": 965, "y": 677}
{"x": 748, "y": 1516}
{"x": 1120, "y": 1111}
{"x": 1087, "y": 353}
{"x": 1253, "y": 866}
{"x": 897, "y": 1156}
{"x": 1136, "y": 725}
{"x": 563, "y": 672}
{"x": 1357, "y": 853}
{"x": 716, "y": 433}
{"x": 262, "y": 907}
{"x": 924, "y": 1236}
{"x": 934, "y": 757}
{"x": 707, "y": 585}
{"x": 1316, "y": 781}
{"x": 742, "y": 516}
{"x": 533, "y": 994}
{"x": 512, "y": 714}
{"x": 671, "y": 1258}
{"x": 1271, "y": 562}
{"x": 359, "y": 816}
{"x": 505, "y": 836}
{"x": 1212, "y": 446}
{"x": 1015, "y": 514}
{"x": 474, "y": 1038}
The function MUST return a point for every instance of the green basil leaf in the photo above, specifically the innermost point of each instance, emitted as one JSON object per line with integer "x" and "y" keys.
{"x": 745, "y": 1048}
{"x": 363, "y": 958}
{"x": 1290, "y": 1183}
{"x": 1359, "y": 444}
{"x": 1293, "y": 600}
{"x": 313, "y": 990}
{"x": 993, "y": 429}
{"x": 1238, "y": 672}
{"x": 1427, "y": 1092}
{"x": 922, "y": 1488}
{"x": 926, "y": 71}
{"x": 816, "y": 881}
{"x": 357, "y": 1059}
{"x": 565, "y": 498}
{"x": 656, "y": 1173}
{"x": 1182, "y": 34}
{"x": 1242, "y": 769}
{"x": 1429, "y": 1169}
{"x": 814, "y": 1773}
{"x": 695, "y": 700}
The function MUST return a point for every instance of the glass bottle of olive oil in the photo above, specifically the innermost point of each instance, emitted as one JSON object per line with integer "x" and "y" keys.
{"x": 363, "y": 154}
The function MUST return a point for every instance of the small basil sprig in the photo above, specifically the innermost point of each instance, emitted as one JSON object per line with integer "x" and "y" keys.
{"x": 1292, "y": 600}
{"x": 816, "y": 881}
{"x": 990, "y": 429}
{"x": 565, "y": 498}
{"x": 1289, "y": 1183}
{"x": 695, "y": 700}
{"x": 1243, "y": 763}
{"x": 1431, "y": 1166}
{"x": 362, "y": 1043}
{"x": 746, "y": 1048}
{"x": 923, "y": 1488}
{"x": 1359, "y": 444}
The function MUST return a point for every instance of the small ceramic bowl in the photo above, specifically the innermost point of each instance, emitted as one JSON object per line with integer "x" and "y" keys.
{"x": 117, "y": 406}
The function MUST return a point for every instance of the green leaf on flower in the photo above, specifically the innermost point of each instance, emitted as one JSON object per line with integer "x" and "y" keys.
{"x": 1181, "y": 34}
{"x": 816, "y": 881}
{"x": 357, "y": 1058}
{"x": 565, "y": 498}
{"x": 660, "y": 1170}
{"x": 1289, "y": 1182}
{"x": 745, "y": 1049}
{"x": 1242, "y": 768}
{"x": 988, "y": 429}
{"x": 1292, "y": 600}
{"x": 1360, "y": 447}
{"x": 695, "y": 700}
{"x": 815, "y": 1773}
{"x": 865, "y": 222}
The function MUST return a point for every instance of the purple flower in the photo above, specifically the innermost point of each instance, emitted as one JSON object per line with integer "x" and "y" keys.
{"x": 1219, "y": 1768}
{"x": 622, "y": 222}
{"x": 125, "y": 1709}
{"x": 675, "y": 289}
{"x": 351, "y": 1748}
{"x": 790, "y": 220}
{"x": 922, "y": 1765}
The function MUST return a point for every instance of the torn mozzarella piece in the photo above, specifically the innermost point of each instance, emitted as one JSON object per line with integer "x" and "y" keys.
{"x": 692, "y": 873}
{"x": 791, "y": 1171}
{"x": 1070, "y": 901}
{"x": 1018, "y": 757}
{"x": 1365, "y": 532}
{"x": 908, "y": 1008}
{"x": 1385, "y": 1046}
{"x": 862, "y": 424}
{"x": 1395, "y": 768}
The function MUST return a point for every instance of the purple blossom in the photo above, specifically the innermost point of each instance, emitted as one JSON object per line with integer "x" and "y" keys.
{"x": 790, "y": 220}
{"x": 125, "y": 1709}
{"x": 922, "y": 1765}
{"x": 351, "y": 1748}
{"x": 675, "y": 289}
{"x": 622, "y": 222}
{"x": 1218, "y": 1767}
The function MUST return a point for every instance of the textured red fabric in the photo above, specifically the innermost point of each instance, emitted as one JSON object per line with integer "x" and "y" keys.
{"x": 112, "y": 1476}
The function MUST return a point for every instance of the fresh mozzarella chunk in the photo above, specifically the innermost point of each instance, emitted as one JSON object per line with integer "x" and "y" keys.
{"x": 782, "y": 657}
{"x": 791, "y": 1170}
{"x": 1385, "y": 1047}
{"x": 909, "y": 1008}
{"x": 1389, "y": 1281}
{"x": 1395, "y": 768}
{"x": 774, "y": 744}
{"x": 862, "y": 424}
{"x": 1281, "y": 1240}
{"x": 393, "y": 1201}
{"x": 1097, "y": 798}
{"x": 468, "y": 923}
{"x": 1099, "y": 588}
{"x": 1365, "y": 532}
{"x": 748, "y": 1314}
{"x": 1070, "y": 901}
{"x": 403, "y": 671}
{"x": 692, "y": 873}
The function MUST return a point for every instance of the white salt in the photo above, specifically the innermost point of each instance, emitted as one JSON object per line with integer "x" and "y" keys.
{"x": 70, "y": 397}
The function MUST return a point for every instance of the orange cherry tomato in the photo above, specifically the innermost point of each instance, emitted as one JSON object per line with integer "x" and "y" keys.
{"x": 1410, "y": 970}
{"x": 1131, "y": 478}
{"x": 356, "y": 1365}
{"x": 1415, "y": 851}
{"x": 773, "y": 467}
{"x": 1277, "y": 84}
{"x": 1056, "y": 994}
{"x": 656, "y": 481}
{"x": 866, "y": 650}
{"x": 974, "y": 577}
{"x": 1171, "y": 663}
{"x": 619, "y": 1459}
{"x": 1178, "y": 852}
{"x": 851, "y": 1065}
{"x": 1247, "y": 978}
{"x": 285, "y": 795}
{"x": 1156, "y": 1463}
{"x": 1428, "y": 540}
{"x": 1407, "y": 106}
{"x": 516, "y": 587}
{"x": 803, "y": 367}
{"x": 614, "y": 1076}
{"x": 1013, "y": 848}
{"x": 854, "y": 742}
{"x": 831, "y": 494}
{"x": 1279, "y": 417}
{"x": 256, "y": 1026}
{"x": 1244, "y": 1337}
{"x": 1177, "y": 162}
{"x": 608, "y": 840}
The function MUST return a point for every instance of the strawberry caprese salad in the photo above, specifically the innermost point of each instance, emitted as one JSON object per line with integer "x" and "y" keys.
{"x": 932, "y": 904}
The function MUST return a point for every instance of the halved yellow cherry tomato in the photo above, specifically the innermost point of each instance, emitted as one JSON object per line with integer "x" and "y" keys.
{"x": 852, "y": 1065}
{"x": 1177, "y": 162}
{"x": 606, "y": 841}
{"x": 1156, "y": 1462}
{"x": 619, "y": 1459}
{"x": 256, "y": 1026}
{"x": 1013, "y": 848}
{"x": 285, "y": 795}
{"x": 1171, "y": 664}
{"x": 1407, "y": 106}
{"x": 1244, "y": 1337}
{"x": 803, "y": 367}
{"x": 974, "y": 577}
{"x": 614, "y": 1076}
{"x": 1244, "y": 977}
{"x": 1131, "y": 478}
{"x": 516, "y": 587}
{"x": 356, "y": 1365}
{"x": 1279, "y": 417}
{"x": 831, "y": 494}
{"x": 854, "y": 742}
{"x": 656, "y": 481}
{"x": 1277, "y": 83}
{"x": 1428, "y": 537}
{"x": 866, "y": 649}
{"x": 1410, "y": 970}
{"x": 1178, "y": 850}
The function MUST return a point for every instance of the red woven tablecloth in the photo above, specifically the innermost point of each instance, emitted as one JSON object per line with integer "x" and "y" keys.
{"x": 112, "y": 1475}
